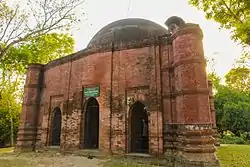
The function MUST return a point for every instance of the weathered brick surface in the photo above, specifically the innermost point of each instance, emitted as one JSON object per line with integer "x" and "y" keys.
{"x": 131, "y": 69}
{"x": 194, "y": 133}
{"x": 27, "y": 134}
{"x": 169, "y": 78}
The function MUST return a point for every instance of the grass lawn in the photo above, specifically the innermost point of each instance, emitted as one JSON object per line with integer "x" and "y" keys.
{"x": 234, "y": 155}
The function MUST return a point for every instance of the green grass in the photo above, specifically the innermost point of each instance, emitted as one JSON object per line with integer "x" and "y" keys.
{"x": 234, "y": 155}
{"x": 6, "y": 150}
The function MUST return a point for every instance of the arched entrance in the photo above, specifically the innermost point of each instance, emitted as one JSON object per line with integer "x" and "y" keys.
{"x": 56, "y": 127}
{"x": 139, "y": 139}
{"x": 91, "y": 124}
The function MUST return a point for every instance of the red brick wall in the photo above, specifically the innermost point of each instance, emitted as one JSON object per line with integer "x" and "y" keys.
{"x": 168, "y": 78}
{"x": 91, "y": 70}
{"x": 133, "y": 74}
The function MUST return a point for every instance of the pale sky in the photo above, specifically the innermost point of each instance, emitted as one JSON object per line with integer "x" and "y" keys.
{"x": 101, "y": 12}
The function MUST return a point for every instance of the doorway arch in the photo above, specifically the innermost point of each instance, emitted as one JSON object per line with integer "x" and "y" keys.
{"x": 91, "y": 124}
{"x": 139, "y": 138}
{"x": 56, "y": 127}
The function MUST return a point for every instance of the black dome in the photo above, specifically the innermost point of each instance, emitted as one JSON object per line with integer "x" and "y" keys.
{"x": 126, "y": 31}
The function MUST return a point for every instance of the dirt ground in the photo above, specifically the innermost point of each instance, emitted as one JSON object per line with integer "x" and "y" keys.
{"x": 54, "y": 159}
{"x": 47, "y": 160}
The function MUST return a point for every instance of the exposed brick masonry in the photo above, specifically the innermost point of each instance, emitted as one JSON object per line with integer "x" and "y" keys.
{"x": 167, "y": 74}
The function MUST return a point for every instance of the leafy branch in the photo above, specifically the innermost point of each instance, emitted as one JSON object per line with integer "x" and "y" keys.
{"x": 39, "y": 17}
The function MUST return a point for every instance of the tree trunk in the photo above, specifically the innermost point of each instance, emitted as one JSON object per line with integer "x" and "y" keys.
{"x": 11, "y": 133}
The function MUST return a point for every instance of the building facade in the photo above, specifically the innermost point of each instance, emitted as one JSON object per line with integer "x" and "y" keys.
{"x": 137, "y": 88}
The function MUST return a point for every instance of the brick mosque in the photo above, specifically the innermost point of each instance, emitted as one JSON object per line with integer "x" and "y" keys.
{"x": 136, "y": 88}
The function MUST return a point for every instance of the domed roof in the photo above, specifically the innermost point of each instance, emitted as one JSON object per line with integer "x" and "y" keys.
{"x": 126, "y": 31}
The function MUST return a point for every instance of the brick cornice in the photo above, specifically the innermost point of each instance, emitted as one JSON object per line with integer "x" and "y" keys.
{"x": 183, "y": 62}
{"x": 187, "y": 92}
{"x": 189, "y": 61}
{"x": 34, "y": 86}
{"x": 201, "y": 132}
{"x": 26, "y": 139}
{"x": 26, "y": 129}
{"x": 199, "y": 150}
{"x": 195, "y": 141}
{"x": 35, "y": 66}
{"x": 161, "y": 40}
{"x": 31, "y": 103}
{"x": 188, "y": 29}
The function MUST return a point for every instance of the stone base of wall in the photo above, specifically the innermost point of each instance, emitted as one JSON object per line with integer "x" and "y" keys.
{"x": 170, "y": 159}
{"x": 216, "y": 137}
{"x": 190, "y": 146}
{"x": 195, "y": 160}
{"x": 26, "y": 137}
{"x": 184, "y": 146}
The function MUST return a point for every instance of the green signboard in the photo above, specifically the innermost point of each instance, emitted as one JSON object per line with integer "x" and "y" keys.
{"x": 91, "y": 92}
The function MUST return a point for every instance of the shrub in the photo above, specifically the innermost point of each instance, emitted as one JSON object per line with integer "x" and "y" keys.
{"x": 230, "y": 138}
{"x": 246, "y": 136}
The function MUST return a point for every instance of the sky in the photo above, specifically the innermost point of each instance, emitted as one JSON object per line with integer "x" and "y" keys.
{"x": 217, "y": 43}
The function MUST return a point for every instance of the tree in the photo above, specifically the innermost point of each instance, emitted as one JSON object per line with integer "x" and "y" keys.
{"x": 41, "y": 49}
{"x": 236, "y": 117}
{"x": 37, "y": 18}
{"x": 244, "y": 60}
{"x": 239, "y": 79}
{"x": 10, "y": 108}
{"x": 232, "y": 110}
{"x": 232, "y": 101}
{"x": 212, "y": 76}
{"x": 230, "y": 14}
{"x": 214, "y": 79}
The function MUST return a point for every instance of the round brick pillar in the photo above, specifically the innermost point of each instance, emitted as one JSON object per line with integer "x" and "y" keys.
{"x": 192, "y": 93}
{"x": 27, "y": 133}
{"x": 195, "y": 133}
